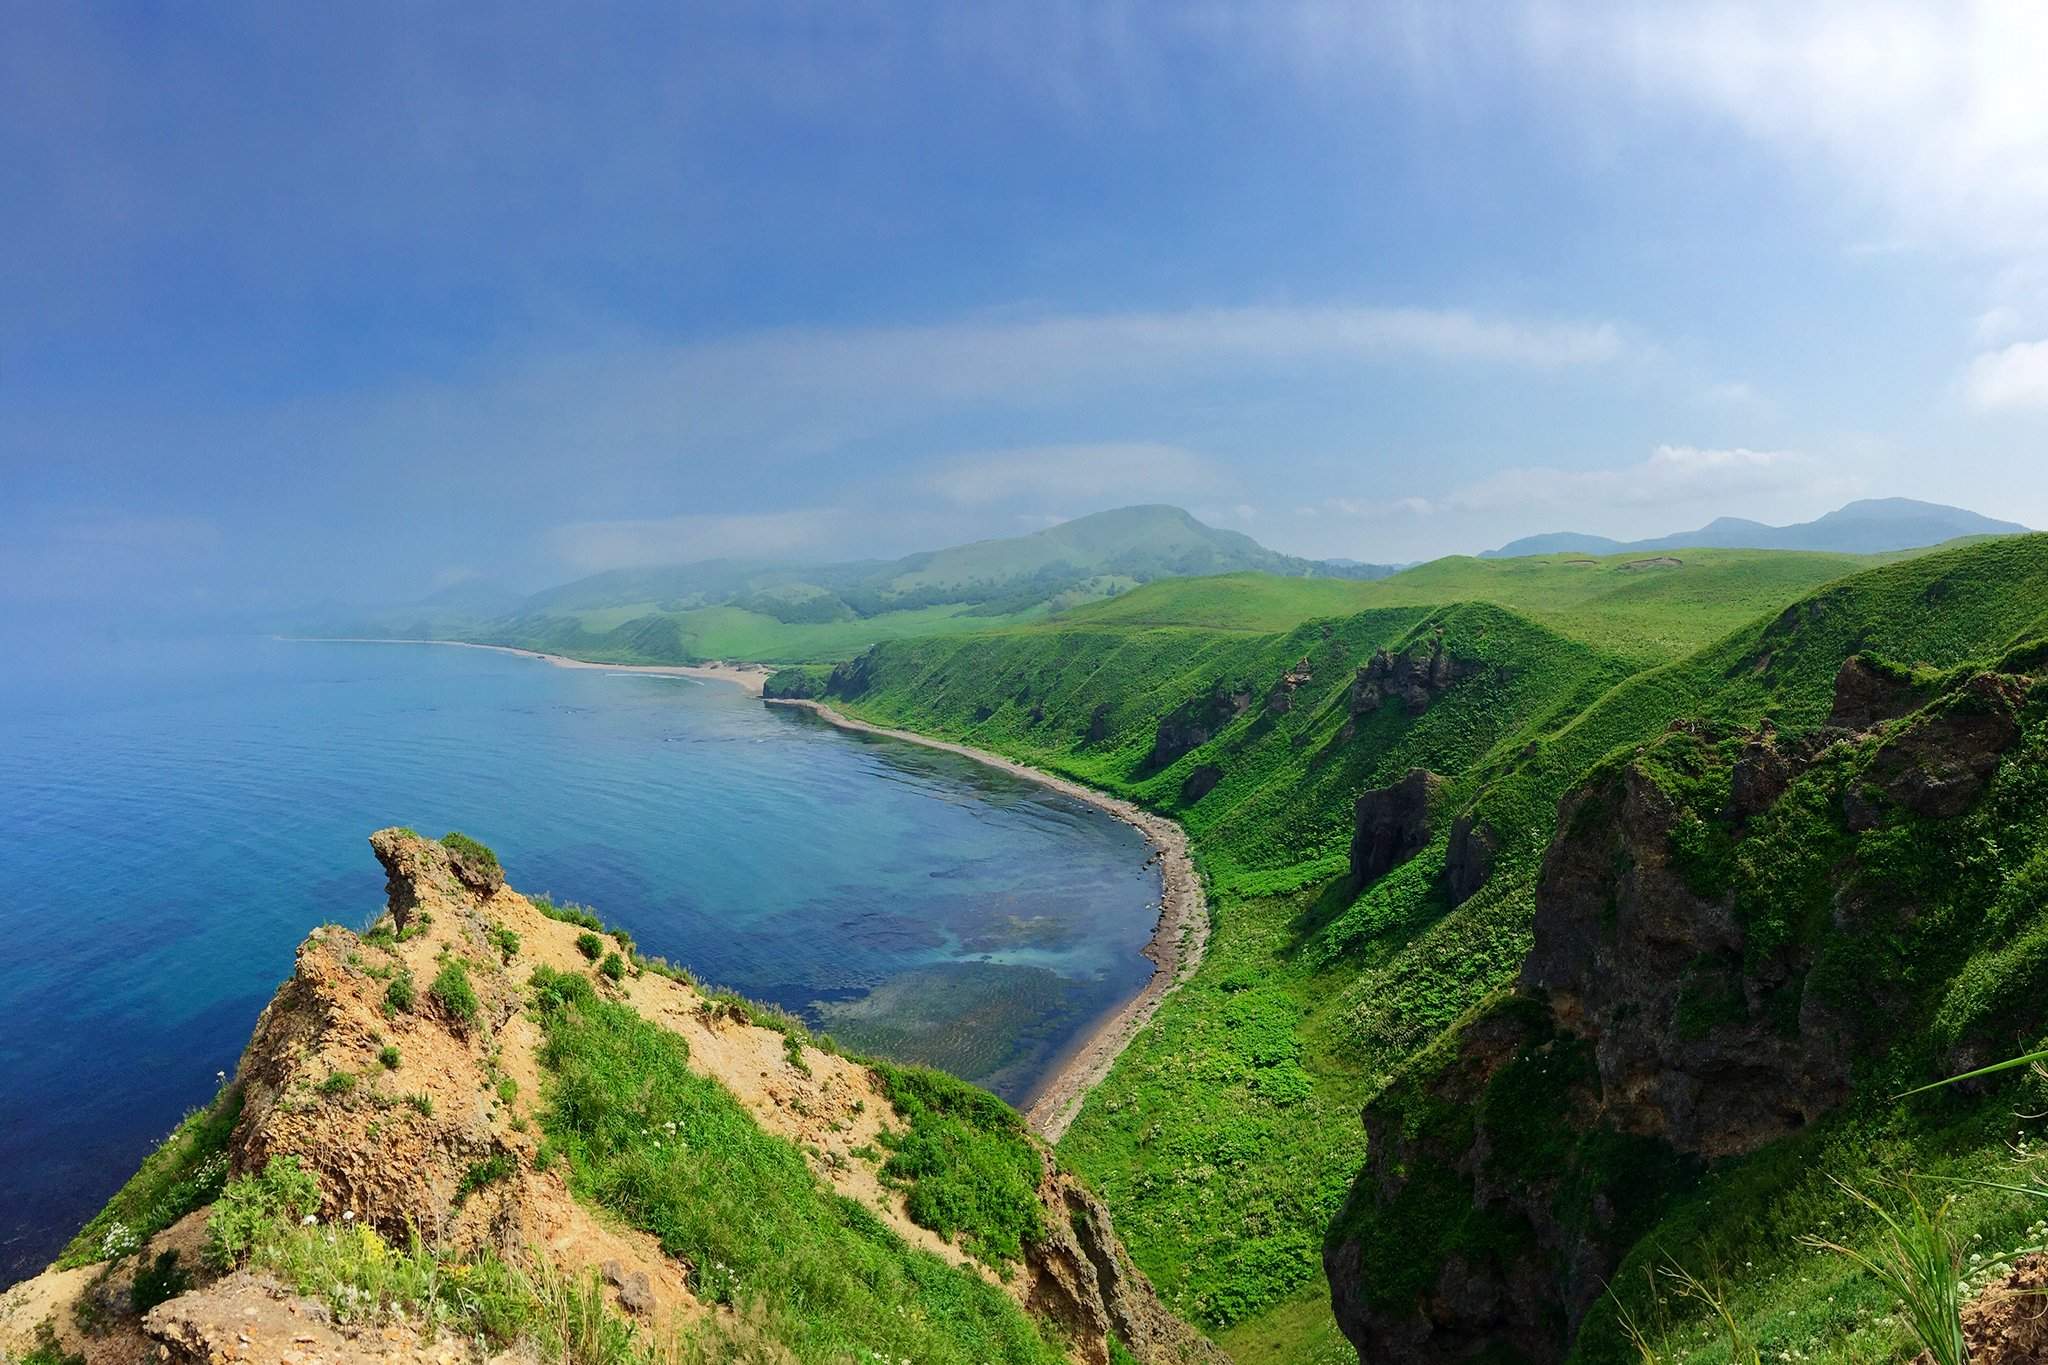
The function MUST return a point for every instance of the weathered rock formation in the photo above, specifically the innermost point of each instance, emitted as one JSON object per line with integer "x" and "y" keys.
{"x": 1280, "y": 700}
{"x": 1392, "y": 825}
{"x": 1200, "y": 783}
{"x": 1197, "y": 721}
{"x": 1414, "y": 677}
{"x": 1869, "y": 692}
{"x": 1682, "y": 1002}
{"x": 1468, "y": 862}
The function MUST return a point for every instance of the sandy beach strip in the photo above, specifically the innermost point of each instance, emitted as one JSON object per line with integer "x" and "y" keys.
{"x": 751, "y": 678}
{"x": 1175, "y": 949}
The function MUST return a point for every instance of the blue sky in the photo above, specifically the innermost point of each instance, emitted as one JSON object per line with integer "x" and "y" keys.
{"x": 361, "y": 300}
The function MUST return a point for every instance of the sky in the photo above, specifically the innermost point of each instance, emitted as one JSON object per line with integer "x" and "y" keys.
{"x": 359, "y": 302}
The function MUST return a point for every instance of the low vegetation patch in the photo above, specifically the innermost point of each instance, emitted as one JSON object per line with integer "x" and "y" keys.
{"x": 971, "y": 1171}
{"x": 455, "y": 995}
{"x": 675, "y": 1154}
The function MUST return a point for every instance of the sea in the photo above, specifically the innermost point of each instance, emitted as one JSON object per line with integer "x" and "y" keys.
{"x": 175, "y": 816}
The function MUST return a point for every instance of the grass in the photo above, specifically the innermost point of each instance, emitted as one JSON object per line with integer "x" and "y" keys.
{"x": 1226, "y": 1135}
{"x": 673, "y": 1153}
{"x": 455, "y": 995}
{"x": 463, "y": 846}
{"x": 971, "y": 1172}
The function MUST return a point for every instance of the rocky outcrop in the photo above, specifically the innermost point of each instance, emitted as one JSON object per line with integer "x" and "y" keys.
{"x": 852, "y": 678}
{"x": 1684, "y": 1024}
{"x": 1413, "y": 678}
{"x": 1710, "y": 962}
{"x": 1869, "y": 691}
{"x": 1200, "y": 783}
{"x": 415, "y": 1106}
{"x": 1468, "y": 862}
{"x": 1195, "y": 722}
{"x": 1081, "y": 1278}
{"x": 1392, "y": 824}
{"x": 1280, "y": 700}
{"x": 1938, "y": 765}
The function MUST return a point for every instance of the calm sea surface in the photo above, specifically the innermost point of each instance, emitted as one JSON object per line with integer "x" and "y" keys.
{"x": 173, "y": 822}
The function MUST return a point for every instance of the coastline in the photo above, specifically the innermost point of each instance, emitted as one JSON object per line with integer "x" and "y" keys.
{"x": 749, "y": 678}
{"x": 1179, "y": 938}
{"x": 1175, "y": 948}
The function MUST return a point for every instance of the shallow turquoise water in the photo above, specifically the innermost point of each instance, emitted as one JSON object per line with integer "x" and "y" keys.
{"x": 173, "y": 822}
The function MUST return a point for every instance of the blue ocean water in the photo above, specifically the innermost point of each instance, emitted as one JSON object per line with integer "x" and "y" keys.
{"x": 173, "y": 821}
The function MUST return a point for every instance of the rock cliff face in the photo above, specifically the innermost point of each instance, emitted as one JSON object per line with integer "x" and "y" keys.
{"x": 1392, "y": 825}
{"x": 471, "y": 1077}
{"x": 1197, "y": 721}
{"x": 1413, "y": 678}
{"x": 1713, "y": 950}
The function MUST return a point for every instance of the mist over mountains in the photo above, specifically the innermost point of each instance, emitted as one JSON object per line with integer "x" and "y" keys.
{"x": 1869, "y": 526}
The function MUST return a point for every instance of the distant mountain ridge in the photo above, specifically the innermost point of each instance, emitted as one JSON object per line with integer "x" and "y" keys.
{"x": 763, "y": 608}
{"x": 1868, "y": 526}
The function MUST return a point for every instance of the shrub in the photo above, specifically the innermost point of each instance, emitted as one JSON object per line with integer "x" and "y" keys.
{"x": 423, "y": 1104}
{"x": 257, "y": 1209}
{"x": 590, "y": 945}
{"x": 613, "y": 967}
{"x": 337, "y": 1083}
{"x": 157, "y": 1281}
{"x": 452, "y": 991}
{"x": 401, "y": 995}
{"x": 457, "y": 842}
{"x": 568, "y": 913}
{"x": 389, "y": 1057}
{"x": 506, "y": 941}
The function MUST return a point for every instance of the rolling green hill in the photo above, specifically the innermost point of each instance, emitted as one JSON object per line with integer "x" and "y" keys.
{"x": 1227, "y": 1135}
{"x": 1641, "y": 608}
{"x": 781, "y": 612}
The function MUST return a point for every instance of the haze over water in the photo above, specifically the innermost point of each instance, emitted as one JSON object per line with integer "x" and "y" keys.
{"x": 171, "y": 825}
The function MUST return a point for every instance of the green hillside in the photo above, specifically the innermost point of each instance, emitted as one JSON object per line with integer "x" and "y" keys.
{"x": 786, "y": 612}
{"x": 1227, "y": 1135}
{"x": 1641, "y": 608}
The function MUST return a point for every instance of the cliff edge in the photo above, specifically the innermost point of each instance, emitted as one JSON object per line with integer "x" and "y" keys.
{"x": 486, "y": 1128}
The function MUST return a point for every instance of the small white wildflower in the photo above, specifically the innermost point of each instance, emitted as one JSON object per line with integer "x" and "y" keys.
{"x": 309, "y": 1220}
{"x": 348, "y": 1216}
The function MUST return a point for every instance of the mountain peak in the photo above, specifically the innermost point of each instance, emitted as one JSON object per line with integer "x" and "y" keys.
{"x": 1866, "y": 526}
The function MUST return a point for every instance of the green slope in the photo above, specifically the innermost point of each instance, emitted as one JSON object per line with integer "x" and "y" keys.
{"x": 777, "y": 612}
{"x": 1644, "y": 608}
{"x": 1226, "y": 1133}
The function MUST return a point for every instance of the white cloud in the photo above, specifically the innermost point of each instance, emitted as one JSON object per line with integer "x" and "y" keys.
{"x": 1671, "y": 476}
{"x": 1997, "y": 324}
{"x": 1073, "y": 475}
{"x": 1937, "y": 112}
{"x": 593, "y": 546}
{"x": 2016, "y": 377}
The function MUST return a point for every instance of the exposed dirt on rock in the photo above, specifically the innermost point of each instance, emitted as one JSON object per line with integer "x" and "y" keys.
{"x": 2007, "y": 1324}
